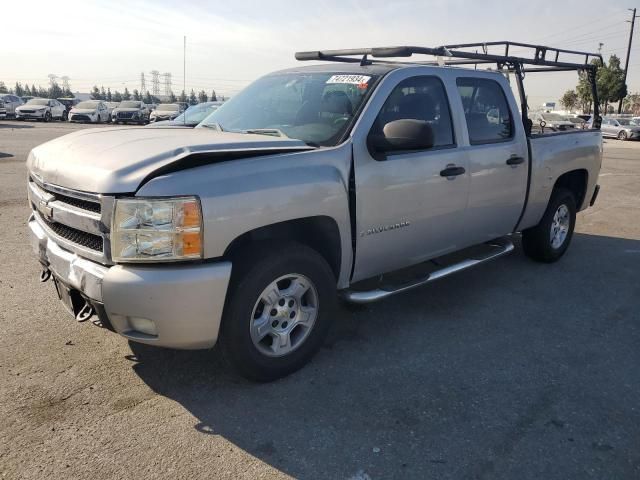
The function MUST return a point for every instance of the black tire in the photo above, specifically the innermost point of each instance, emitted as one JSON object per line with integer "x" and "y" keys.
{"x": 537, "y": 242}
{"x": 47, "y": 117}
{"x": 65, "y": 116}
{"x": 252, "y": 274}
{"x": 622, "y": 135}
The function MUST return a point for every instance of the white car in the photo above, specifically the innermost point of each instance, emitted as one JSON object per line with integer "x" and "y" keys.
{"x": 166, "y": 111}
{"x": 45, "y": 109}
{"x": 91, "y": 111}
{"x": 11, "y": 102}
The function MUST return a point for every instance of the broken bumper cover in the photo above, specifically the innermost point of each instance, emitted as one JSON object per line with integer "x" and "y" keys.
{"x": 180, "y": 306}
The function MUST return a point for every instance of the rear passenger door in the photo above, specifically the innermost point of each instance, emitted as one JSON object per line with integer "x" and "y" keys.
{"x": 497, "y": 153}
{"x": 406, "y": 210}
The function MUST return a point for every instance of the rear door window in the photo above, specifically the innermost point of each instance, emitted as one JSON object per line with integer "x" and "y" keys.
{"x": 486, "y": 110}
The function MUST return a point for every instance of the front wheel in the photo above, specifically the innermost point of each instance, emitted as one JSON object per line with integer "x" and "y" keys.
{"x": 282, "y": 302}
{"x": 622, "y": 135}
{"x": 549, "y": 240}
{"x": 47, "y": 117}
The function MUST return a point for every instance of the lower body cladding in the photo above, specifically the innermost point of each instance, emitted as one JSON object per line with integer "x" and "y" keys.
{"x": 176, "y": 306}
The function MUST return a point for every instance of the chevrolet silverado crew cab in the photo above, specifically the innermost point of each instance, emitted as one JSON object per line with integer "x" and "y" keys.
{"x": 358, "y": 178}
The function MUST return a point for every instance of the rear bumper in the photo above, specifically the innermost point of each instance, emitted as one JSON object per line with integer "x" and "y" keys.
{"x": 184, "y": 303}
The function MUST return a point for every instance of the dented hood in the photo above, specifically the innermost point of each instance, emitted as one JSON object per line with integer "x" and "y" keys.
{"x": 118, "y": 160}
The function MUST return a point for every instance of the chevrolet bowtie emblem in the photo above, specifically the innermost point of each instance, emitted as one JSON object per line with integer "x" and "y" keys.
{"x": 45, "y": 209}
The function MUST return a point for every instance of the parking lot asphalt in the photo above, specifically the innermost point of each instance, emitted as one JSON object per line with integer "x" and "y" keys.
{"x": 514, "y": 370}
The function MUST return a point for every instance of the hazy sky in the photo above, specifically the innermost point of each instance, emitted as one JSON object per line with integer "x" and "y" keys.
{"x": 230, "y": 43}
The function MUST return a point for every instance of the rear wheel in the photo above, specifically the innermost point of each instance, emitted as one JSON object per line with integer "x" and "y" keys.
{"x": 549, "y": 240}
{"x": 281, "y": 304}
{"x": 622, "y": 135}
{"x": 65, "y": 116}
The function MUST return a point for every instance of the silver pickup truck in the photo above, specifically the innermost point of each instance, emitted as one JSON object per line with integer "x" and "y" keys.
{"x": 346, "y": 179}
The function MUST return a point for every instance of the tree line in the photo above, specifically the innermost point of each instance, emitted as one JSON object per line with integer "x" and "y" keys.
{"x": 56, "y": 91}
{"x": 116, "y": 96}
{"x": 611, "y": 89}
{"x": 53, "y": 91}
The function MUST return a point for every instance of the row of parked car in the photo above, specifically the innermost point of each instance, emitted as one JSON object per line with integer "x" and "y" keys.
{"x": 622, "y": 128}
{"x": 99, "y": 111}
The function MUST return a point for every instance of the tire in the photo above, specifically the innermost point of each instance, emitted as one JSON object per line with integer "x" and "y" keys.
{"x": 540, "y": 242}
{"x": 252, "y": 322}
{"x": 47, "y": 117}
{"x": 65, "y": 116}
{"x": 622, "y": 135}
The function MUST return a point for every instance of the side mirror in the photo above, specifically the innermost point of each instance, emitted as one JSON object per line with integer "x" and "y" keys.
{"x": 402, "y": 135}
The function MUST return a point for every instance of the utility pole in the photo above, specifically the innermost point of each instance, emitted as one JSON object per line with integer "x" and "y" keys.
{"x": 167, "y": 83}
{"x": 626, "y": 63}
{"x": 155, "y": 82}
{"x": 184, "y": 67}
{"x": 143, "y": 84}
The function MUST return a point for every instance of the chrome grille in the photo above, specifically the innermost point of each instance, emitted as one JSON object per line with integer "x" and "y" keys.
{"x": 78, "y": 221}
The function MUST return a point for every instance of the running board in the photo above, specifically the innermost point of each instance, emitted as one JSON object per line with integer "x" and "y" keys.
{"x": 502, "y": 247}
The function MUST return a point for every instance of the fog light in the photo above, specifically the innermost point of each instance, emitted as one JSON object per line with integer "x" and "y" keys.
{"x": 143, "y": 325}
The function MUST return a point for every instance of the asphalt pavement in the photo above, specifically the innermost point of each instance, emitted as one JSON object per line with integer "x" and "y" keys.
{"x": 514, "y": 370}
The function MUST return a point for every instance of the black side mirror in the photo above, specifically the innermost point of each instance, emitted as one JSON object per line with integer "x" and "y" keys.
{"x": 402, "y": 135}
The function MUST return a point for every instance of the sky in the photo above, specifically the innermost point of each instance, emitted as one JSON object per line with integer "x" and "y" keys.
{"x": 229, "y": 44}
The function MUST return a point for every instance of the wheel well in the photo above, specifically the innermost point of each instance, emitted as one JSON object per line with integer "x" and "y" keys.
{"x": 576, "y": 182}
{"x": 320, "y": 233}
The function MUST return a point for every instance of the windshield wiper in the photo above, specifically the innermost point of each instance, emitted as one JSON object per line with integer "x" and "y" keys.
{"x": 214, "y": 125}
{"x": 273, "y": 132}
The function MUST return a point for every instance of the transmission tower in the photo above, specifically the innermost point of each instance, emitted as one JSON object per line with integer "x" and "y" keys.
{"x": 143, "y": 85}
{"x": 155, "y": 82}
{"x": 167, "y": 83}
{"x": 65, "y": 83}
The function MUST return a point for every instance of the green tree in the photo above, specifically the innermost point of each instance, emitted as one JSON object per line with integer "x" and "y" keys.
{"x": 109, "y": 94}
{"x": 126, "y": 95}
{"x": 193, "y": 100}
{"x": 610, "y": 81}
{"x": 3, "y": 87}
{"x": 19, "y": 91}
{"x": 136, "y": 94}
{"x": 34, "y": 90}
{"x": 147, "y": 98}
{"x": 27, "y": 91}
{"x": 183, "y": 97}
{"x": 631, "y": 103}
{"x": 95, "y": 93}
{"x": 55, "y": 91}
{"x": 117, "y": 96}
{"x": 569, "y": 100}
{"x": 172, "y": 98}
{"x": 202, "y": 96}
{"x": 213, "y": 96}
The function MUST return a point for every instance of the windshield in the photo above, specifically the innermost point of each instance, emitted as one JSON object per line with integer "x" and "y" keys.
{"x": 129, "y": 105}
{"x": 625, "y": 121}
{"x": 316, "y": 108}
{"x": 553, "y": 117}
{"x": 168, "y": 107}
{"x": 38, "y": 101}
{"x": 195, "y": 114}
{"x": 88, "y": 105}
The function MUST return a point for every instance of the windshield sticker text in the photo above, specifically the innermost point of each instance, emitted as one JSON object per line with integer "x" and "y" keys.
{"x": 360, "y": 80}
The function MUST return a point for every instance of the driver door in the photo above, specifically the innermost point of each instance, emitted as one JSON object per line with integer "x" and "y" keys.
{"x": 407, "y": 210}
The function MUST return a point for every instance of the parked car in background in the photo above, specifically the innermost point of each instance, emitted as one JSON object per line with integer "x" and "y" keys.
{"x": 90, "y": 111}
{"x": 3, "y": 109}
{"x": 620, "y": 128}
{"x": 11, "y": 102}
{"x": 551, "y": 121}
{"x": 45, "y": 109}
{"x": 191, "y": 117}
{"x": 69, "y": 102}
{"x": 577, "y": 121}
{"x": 111, "y": 106}
{"x": 130, "y": 111}
{"x": 26, "y": 99}
{"x": 167, "y": 111}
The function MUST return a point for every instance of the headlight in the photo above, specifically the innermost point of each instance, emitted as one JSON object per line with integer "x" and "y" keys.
{"x": 156, "y": 230}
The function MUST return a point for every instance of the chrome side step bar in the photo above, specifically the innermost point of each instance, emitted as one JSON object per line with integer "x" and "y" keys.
{"x": 502, "y": 245}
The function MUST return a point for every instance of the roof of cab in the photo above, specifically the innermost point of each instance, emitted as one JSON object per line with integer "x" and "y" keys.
{"x": 334, "y": 67}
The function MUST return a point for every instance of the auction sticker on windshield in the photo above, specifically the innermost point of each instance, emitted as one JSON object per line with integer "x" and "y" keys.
{"x": 350, "y": 79}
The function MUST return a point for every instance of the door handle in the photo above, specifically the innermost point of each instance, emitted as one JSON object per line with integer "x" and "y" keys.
{"x": 515, "y": 160}
{"x": 452, "y": 171}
